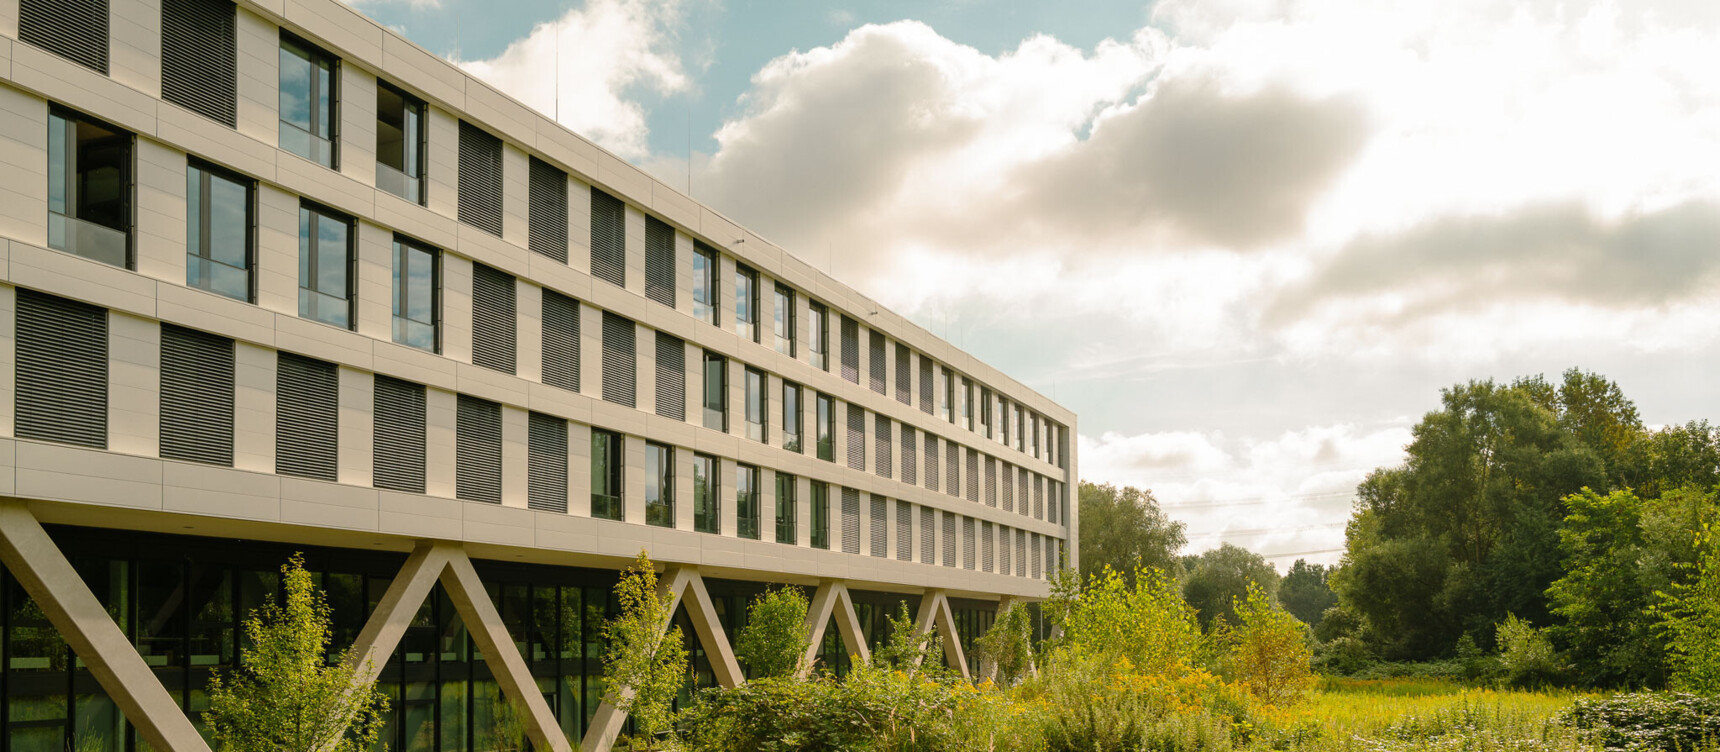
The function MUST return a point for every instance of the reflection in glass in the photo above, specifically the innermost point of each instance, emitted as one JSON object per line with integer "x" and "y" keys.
{"x": 746, "y": 502}
{"x": 325, "y": 292}
{"x": 414, "y": 279}
{"x": 705, "y": 286}
{"x": 89, "y": 189}
{"x": 659, "y": 485}
{"x": 706, "y": 502}
{"x": 399, "y": 144}
{"x": 218, "y": 233}
{"x": 307, "y": 102}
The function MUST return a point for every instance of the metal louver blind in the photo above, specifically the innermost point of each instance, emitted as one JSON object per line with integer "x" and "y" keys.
{"x": 926, "y": 385}
{"x": 904, "y": 375}
{"x": 973, "y": 476}
{"x": 196, "y": 396}
{"x": 987, "y": 546}
{"x": 1003, "y": 547}
{"x": 478, "y": 450}
{"x": 877, "y": 367}
{"x": 856, "y": 436}
{"x": 493, "y": 321}
{"x": 968, "y": 558}
{"x": 1050, "y": 557}
{"x": 850, "y": 521}
{"x": 546, "y": 463}
{"x": 928, "y": 529}
{"x": 991, "y": 482}
{"x": 1008, "y": 475}
{"x": 76, "y": 30}
{"x": 850, "y": 350}
{"x": 880, "y": 526}
{"x": 547, "y": 210}
{"x": 1038, "y": 497}
{"x": 620, "y": 360}
{"x": 398, "y": 453}
{"x": 904, "y": 531}
{"x": 200, "y": 58}
{"x": 910, "y": 456}
{"x": 884, "y": 446}
{"x": 1021, "y": 504}
{"x": 1051, "y": 491}
{"x": 307, "y": 417}
{"x": 952, "y": 469}
{"x": 659, "y": 261}
{"x": 560, "y": 340}
{"x": 931, "y": 461}
{"x": 62, "y": 370}
{"x": 949, "y": 538}
{"x": 1021, "y": 553}
{"x": 608, "y": 238}
{"x": 671, "y": 377}
{"x": 1037, "y": 571}
{"x": 480, "y": 203}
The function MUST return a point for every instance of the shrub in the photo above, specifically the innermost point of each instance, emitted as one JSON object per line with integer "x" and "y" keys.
{"x": 1690, "y": 616}
{"x": 1148, "y": 622}
{"x": 1008, "y": 645}
{"x": 1525, "y": 654}
{"x": 1270, "y": 651}
{"x": 773, "y": 642}
{"x": 645, "y": 653}
{"x": 1648, "y": 721}
{"x": 1343, "y": 656}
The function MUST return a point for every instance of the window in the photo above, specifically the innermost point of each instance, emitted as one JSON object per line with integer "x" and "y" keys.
{"x": 325, "y": 266}
{"x": 620, "y": 359}
{"x": 856, "y": 437}
{"x": 880, "y": 526}
{"x": 480, "y": 179}
{"x": 308, "y": 101}
{"x": 76, "y": 30}
{"x": 705, "y": 283}
{"x": 818, "y": 334}
{"x": 820, "y": 515}
{"x": 910, "y": 455}
{"x": 784, "y": 320}
{"x": 928, "y": 535}
{"x": 791, "y": 418}
{"x": 904, "y": 375}
{"x": 494, "y": 323}
{"x": 606, "y": 463}
{"x": 546, "y": 463}
{"x": 785, "y": 532}
{"x": 478, "y": 450}
{"x": 89, "y": 187}
{"x": 546, "y": 210}
{"x": 757, "y": 430}
{"x": 825, "y": 420}
{"x": 200, "y": 58}
{"x": 659, "y": 261}
{"x": 928, "y": 392}
{"x": 850, "y": 350}
{"x": 608, "y": 238}
{"x": 417, "y": 316}
{"x": 398, "y": 449}
{"x": 671, "y": 384}
{"x": 400, "y": 144}
{"x": 219, "y": 224}
{"x": 659, "y": 485}
{"x": 746, "y": 502}
{"x": 1035, "y": 422}
{"x": 966, "y": 397}
{"x": 716, "y": 393}
{"x": 850, "y": 521}
{"x": 876, "y": 368}
{"x": 1020, "y": 429}
{"x": 197, "y": 393}
{"x": 61, "y": 370}
{"x": 883, "y": 449}
{"x": 985, "y": 411}
{"x": 307, "y": 417}
{"x": 560, "y": 341}
{"x": 904, "y": 531}
{"x": 746, "y": 303}
{"x": 707, "y": 504}
{"x": 1003, "y": 420}
{"x": 946, "y": 395}
{"x": 932, "y": 462}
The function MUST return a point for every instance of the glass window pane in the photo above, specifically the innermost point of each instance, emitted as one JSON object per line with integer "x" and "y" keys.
{"x": 295, "y": 86}
{"x": 229, "y": 221}
{"x": 58, "y": 164}
{"x": 331, "y": 257}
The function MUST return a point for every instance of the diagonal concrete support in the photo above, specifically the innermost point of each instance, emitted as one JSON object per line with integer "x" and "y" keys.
{"x": 45, "y": 573}
{"x": 830, "y": 599}
{"x": 935, "y": 613}
{"x": 400, "y": 603}
{"x": 484, "y": 623}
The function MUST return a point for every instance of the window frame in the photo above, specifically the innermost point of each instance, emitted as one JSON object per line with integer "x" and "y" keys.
{"x": 747, "y": 480}
{"x": 782, "y": 319}
{"x": 409, "y": 104}
{"x": 756, "y": 388}
{"x": 661, "y": 512}
{"x": 706, "y": 310}
{"x": 824, "y": 419}
{"x": 820, "y": 502}
{"x": 785, "y": 509}
{"x": 208, "y": 172}
{"x": 70, "y": 119}
{"x": 793, "y": 422}
{"x": 722, "y": 392}
{"x": 748, "y": 325}
{"x": 317, "y": 212}
{"x": 712, "y": 468}
{"x": 312, "y": 54}
{"x": 398, "y": 300}
{"x": 615, "y": 474}
{"x": 818, "y": 332}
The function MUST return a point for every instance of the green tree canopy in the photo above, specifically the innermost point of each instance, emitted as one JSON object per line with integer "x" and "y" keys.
{"x": 775, "y": 638}
{"x": 1305, "y": 593}
{"x": 1217, "y": 579}
{"x": 1124, "y": 529}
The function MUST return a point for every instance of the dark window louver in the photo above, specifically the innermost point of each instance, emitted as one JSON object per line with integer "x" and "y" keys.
{"x": 910, "y": 455}
{"x": 546, "y": 464}
{"x": 876, "y": 367}
{"x": 671, "y": 377}
{"x": 1038, "y": 497}
{"x": 967, "y": 543}
{"x": 987, "y": 546}
{"x": 1003, "y": 538}
{"x": 620, "y": 360}
{"x": 398, "y": 448}
{"x": 856, "y": 437}
{"x": 1035, "y": 556}
{"x": 480, "y": 203}
{"x": 880, "y": 526}
{"x": 904, "y": 375}
{"x": 972, "y": 476}
{"x": 850, "y": 521}
{"x": 952, "y": 469}
{"x": 560, "y": 340}
{"x": 494, "y": 324}
{"x": 478, "y": 450}
{"x": 850, "y": 350}
{"x": 62, "y": 370}
{"x": 926, "y": 385}
{"x": 200, "y": 58}
{"x": 931, "y": 461}
{"x": 547, "y": 211}
{"x": 1051, "y": 491}
{"x": 307, "y": 417}
{"x": 1021, "y": 553}
{"x": 990, "y": 482}
{"x": 76, "y": 30}
{"x": 948, "y": 534}
{"x": 904, "y": 531}
{"x": 1024, "y": 495}
{"x": 608, "y": 238}
{"x": 1007, "y": 474}
{"x": 196, "y": 396}
{"x": 660, "y": 261}
{"x": 928, "y": 533}
{"x": 885, "y": 446}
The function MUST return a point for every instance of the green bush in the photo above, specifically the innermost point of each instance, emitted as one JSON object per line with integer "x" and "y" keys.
{"x": 773, "y": 642}
{"x": 1525, "y": 654}
{"x": 1343, "y": 656}
{"x": 1648, "y": 721}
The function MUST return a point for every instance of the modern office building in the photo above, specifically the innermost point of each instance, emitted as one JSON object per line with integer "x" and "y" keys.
{"x": 273, "y": 280}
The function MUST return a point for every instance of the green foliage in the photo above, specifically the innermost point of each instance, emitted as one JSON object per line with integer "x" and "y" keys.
{"x": 1305, "y": 593}
{"x": 1525, "y": 654}
{"x": 1008, "y": 645}
{"x": 1691, "y": 619}
{"x": 286, "y": 695}
{"x": 645, "y": 661}
{"x": 1148, "y": 622}
{"x": 1125, "y": 530}
{"x": 1270, "y": 653}
{"x": 904, "y": 650}
{"x": 773, "y": 643}
{"x": 1218, "y": 578}
{"x": 1343, "y": 656}
{"x": 1648, "y": 722}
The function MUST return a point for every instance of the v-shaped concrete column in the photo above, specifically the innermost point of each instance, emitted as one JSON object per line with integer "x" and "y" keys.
{"x": 935, "y": 614}
{"x": 832, "y": 598}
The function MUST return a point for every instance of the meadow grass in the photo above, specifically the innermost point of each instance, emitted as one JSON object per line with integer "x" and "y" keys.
{"x": 1403, "y": 715}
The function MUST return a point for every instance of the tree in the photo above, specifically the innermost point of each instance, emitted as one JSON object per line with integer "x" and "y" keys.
{"x": 1146, "y": 622}
{"x": 286, "y": 695}
{"x": 1124, "y": 529}
{"x": 1008, "y": 645}
{"x": 1305, "y": 592}
{"x": 645, "y": 661}
{"x": 1690, "y": 616}
{"x": 1215, "y": 580}
{"x": 1270, "y": 650}
{"x": 773, "y": 643}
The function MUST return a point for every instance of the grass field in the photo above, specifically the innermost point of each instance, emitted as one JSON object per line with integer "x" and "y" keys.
{"x": 1392, "y": 715}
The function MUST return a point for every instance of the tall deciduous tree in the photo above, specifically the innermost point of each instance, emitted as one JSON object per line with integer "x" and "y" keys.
{"x": 645, "y": 661}
{"x": 1305, "y": 592}
{"x": 1124, "y": 529}
{"x": 775, "y": 638}
{"x": 1218, "y": 579}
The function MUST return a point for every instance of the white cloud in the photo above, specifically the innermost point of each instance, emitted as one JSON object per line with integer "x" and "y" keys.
{"x": 605, "y": 50}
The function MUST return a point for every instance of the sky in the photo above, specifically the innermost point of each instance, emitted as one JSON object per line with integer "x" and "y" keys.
{"x": 1246, "y": 241}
